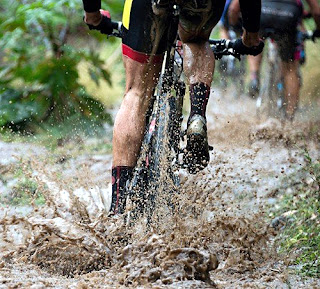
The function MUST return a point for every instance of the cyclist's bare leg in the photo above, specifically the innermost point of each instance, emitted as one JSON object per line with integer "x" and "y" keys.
{"x": 141, "y": 49}
{"x": 129, "y": 126}
{"x": 130, "y": 120}
{"x": 198, "y": 58}
{"x": 290, "y": 72}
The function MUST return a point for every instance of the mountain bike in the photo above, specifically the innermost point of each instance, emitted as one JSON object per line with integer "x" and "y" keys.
{"x": 271, "y": 97}
{"x": 161, "y": 154}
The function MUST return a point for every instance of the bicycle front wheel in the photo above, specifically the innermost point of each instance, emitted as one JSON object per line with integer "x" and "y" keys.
{"x": 163, "y": 180}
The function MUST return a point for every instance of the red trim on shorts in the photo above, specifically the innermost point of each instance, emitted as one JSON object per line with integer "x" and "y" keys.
{"x": 140, "y": 56}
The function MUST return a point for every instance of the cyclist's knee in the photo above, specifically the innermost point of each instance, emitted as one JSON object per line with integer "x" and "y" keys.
{"x": 137, "y": 98}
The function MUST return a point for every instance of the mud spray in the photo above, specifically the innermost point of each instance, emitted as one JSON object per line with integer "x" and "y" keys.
{"x": 216, "y": 236}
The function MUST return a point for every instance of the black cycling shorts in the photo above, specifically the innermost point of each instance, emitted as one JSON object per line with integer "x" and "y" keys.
{"x": 145, "y": 28}
{"x": 279, "y": 20}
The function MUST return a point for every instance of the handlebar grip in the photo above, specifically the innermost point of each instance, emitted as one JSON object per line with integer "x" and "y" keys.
{"x": 224, "y": 43}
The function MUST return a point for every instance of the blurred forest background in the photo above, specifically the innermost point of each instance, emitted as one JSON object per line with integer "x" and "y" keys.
{"x": 54, "y": 74}
{"x": 59, "y": 78}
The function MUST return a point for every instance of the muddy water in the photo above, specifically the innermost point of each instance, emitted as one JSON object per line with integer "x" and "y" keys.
{"x": 216, "y": 236}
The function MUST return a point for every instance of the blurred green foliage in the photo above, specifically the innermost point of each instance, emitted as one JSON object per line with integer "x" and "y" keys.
{"x": 39, "y": 80}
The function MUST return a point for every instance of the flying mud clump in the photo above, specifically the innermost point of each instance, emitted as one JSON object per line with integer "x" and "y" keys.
{"x": 153, "y": 260}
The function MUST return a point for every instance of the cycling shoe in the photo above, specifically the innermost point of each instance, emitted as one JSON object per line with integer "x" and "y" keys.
{"x": 196, "y": 156}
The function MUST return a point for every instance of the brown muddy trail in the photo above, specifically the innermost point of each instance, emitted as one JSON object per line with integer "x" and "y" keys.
{"x": 219, "y": 235}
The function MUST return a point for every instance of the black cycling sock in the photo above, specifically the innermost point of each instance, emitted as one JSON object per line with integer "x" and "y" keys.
{"x": 199, "y": 96}
{"x": 120, "y": 176}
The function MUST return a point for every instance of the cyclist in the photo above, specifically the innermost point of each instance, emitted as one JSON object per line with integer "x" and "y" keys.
{"x": 144, "y": 24}
{"x": 283, "y": 17}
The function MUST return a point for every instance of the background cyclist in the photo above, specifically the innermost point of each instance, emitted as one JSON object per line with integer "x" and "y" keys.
{"x": 145, "y": 22}
{"x": 283, "y": 17}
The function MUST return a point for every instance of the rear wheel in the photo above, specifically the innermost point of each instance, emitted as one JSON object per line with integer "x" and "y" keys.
{"x": 156, "y": 175}
{"x": 163, "y": 166}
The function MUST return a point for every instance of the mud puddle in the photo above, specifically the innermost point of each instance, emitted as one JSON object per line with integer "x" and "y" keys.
{"x": 217, "y": 235}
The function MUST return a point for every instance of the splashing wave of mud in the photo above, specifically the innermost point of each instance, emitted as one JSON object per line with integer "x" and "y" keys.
{"x": 69, "y": 245}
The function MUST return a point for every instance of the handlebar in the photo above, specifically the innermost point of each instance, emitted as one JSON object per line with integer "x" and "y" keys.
{"x": 220, "y": 47}
{"x": 223, "y": 47}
